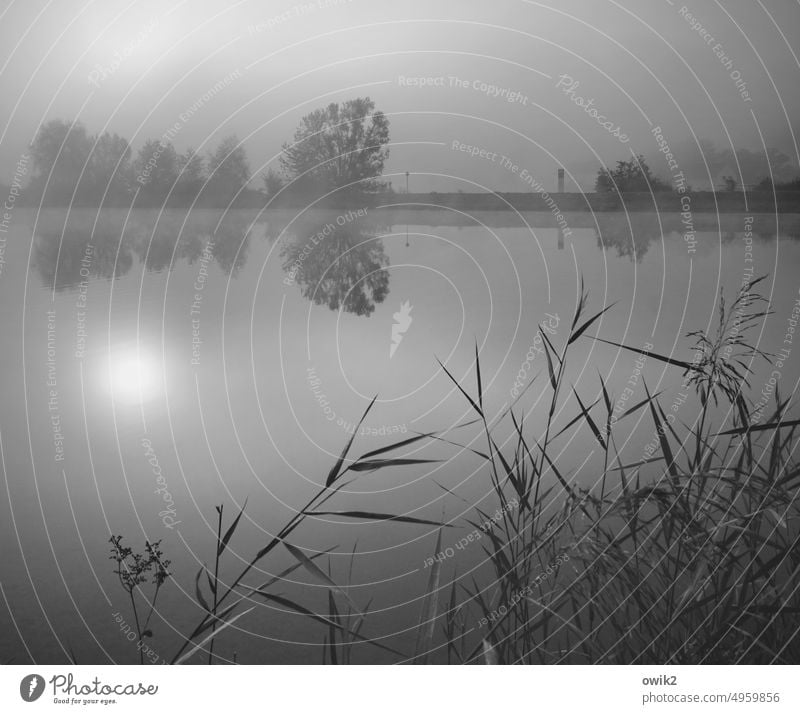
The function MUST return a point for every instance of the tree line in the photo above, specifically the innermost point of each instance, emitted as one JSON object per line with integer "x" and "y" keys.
{"x": 339, "y": 148}
{"x": 635, "y": 175}
{"x": 73, "y": 167}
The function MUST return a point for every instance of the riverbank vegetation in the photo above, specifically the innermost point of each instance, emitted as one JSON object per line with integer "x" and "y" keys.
{"x": 685, "y": 552}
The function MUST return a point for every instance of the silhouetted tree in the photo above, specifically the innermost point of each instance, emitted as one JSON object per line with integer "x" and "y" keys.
{"x": 633, "y": 175}
{"x": 339, "y": 145}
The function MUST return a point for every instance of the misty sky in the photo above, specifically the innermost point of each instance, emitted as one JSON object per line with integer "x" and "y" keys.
{"x": 642, "y": 63}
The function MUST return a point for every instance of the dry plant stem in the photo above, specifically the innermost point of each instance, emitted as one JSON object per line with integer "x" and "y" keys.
{"x": 217, "y": 553}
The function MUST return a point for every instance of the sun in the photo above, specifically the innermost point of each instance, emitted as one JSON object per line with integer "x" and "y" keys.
{"x": 134, "y": 376}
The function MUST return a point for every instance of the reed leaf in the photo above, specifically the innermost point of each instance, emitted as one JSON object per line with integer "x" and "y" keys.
{"x": 661, "y": 358}
{"x": 427, "y": 616}
{"x": 370, "y": 516}
{"x": 577, "y": 333}
{"x": 229, "y": 533}
{"x": 489, "y": 653}
{"x": 220, "y": 627}
{"x": 335, "y": 471}
{"x": 291, "y": 605}
{"x": 760, "y": 427}
{"x": 375, "y": 464}
{"x": 317, "y": 573}
{"x": 461, "y": 389}
{"x": 198, "y": 592}
{"x": 398, "y": 445}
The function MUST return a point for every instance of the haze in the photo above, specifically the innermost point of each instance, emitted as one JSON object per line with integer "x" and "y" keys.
{"x": 134, "y": 67}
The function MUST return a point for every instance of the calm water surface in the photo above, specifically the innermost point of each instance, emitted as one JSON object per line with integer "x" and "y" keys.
{"x": 232, "y": 355}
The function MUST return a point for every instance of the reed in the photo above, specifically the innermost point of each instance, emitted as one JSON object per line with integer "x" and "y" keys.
{"x": 228, "y": 598}
{"x": 686, "y": 554}
{"x": 692, "y": 558}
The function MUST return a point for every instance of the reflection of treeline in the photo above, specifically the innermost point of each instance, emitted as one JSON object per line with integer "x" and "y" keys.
{"x": 67, "y": 256}
{"x": 630, "y": 234}
{"x": 665, "y": 201}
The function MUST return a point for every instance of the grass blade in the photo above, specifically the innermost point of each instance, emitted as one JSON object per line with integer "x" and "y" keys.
{"x": 654, "y": 355}
{"x": 290, "y": 605}
{"x": 489, "y": 653}
{"x": 478, "y": 371}
{"x": 375, "y": 464}
{"x": 759, "y": 427}
{"x": 333, "y": 614}
{"x": 550, "y": 370}
{"x": 288, "y": 571}
{"x": 334, "y": 472}
{"x": 211, "y": 636}
{"x": 198, "y": 592}
{"x": 368, "y": 515}
{"x": 590, "y": 421}
{"x": 662, "y": 436}
{"x": 460, "y": 389}
{"x": 229, "y": 533}
{"x": 427, "y": 615}
{"x": 398, "y": 445}
{"x": 317, "y": 573}
{"x": 575, "y": 335}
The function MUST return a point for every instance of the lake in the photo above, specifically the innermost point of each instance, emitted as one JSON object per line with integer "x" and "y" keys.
{"x": 158, "y": 364}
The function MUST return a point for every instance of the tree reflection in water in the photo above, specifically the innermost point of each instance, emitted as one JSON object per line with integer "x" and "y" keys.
{"x": 64, "y": 258}
{"x": 630, "y": 234}
{"x": 341, "y": 266}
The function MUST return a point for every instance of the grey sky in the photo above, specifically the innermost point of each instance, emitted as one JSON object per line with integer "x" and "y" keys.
{"x": 642, "y": 62}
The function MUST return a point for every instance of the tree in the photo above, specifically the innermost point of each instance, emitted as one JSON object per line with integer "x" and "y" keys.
{"x": 766, "y": 184}
{"x": 273, "y": 182}
{"x": 756, "y": 164}
{"x": 340, "y": 145}
{"x": 70, "y": 165}
{"x": 108, "y": 169}
{"x": 155, "y": 171}
{"x": 191, "y": 175}
{"x": 228, "y": 169}
{"x": 633, "y": 175}
{"x": 60, "y": 153}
